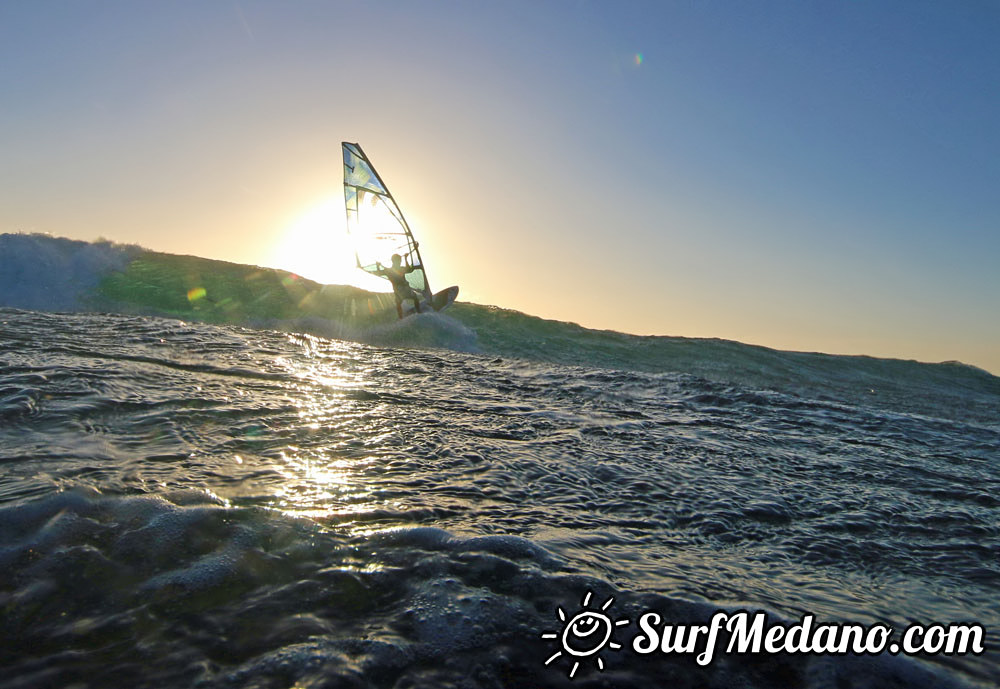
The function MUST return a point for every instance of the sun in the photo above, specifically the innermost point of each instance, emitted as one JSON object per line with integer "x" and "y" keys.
{"x": 585, "y": 634}
{"x": 315, "y": 245}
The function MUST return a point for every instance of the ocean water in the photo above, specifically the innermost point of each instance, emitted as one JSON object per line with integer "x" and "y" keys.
{"x": 186, "y": 504}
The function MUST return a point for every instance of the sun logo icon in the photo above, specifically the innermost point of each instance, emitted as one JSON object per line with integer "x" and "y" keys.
{"x": 585, "y": 634}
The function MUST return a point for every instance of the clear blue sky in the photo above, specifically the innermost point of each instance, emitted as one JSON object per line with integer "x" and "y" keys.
{"x": 804, "y": 175}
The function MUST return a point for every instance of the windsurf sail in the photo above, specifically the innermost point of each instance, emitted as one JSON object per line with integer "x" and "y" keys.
{"x": 376, "y": 225}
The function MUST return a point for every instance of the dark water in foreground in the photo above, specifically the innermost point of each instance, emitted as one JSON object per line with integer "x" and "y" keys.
{"x": 195, "y": 505}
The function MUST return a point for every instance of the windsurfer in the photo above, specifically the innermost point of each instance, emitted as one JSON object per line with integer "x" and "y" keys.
{"x": 396, "y": 274}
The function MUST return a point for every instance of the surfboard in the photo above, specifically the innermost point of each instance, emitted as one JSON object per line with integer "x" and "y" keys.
{"x": 445, "y": 298}
{"x": 439, "y": 302}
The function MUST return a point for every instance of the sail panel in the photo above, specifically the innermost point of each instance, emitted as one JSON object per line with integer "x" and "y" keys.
{"x": 358, "y": 172}
{"x": 374, "y": 221}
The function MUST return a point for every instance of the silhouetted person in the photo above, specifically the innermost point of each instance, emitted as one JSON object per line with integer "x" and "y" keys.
{"x": 396, "y": 274}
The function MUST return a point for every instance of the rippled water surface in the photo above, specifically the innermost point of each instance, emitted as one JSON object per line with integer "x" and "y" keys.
{"x": 185, "y": 504}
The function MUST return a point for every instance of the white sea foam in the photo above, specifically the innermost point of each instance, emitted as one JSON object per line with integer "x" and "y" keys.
{"x": 46, "y": 273}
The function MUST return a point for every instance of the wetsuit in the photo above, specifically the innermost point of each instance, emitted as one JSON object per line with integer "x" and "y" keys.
{"x": 400, "y": 287}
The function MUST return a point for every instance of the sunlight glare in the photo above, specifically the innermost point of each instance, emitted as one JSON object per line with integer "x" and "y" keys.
{"x": 316, "y": 246}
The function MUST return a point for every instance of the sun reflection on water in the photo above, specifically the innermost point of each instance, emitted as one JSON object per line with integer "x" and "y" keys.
{"x": 328, "y": 472}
